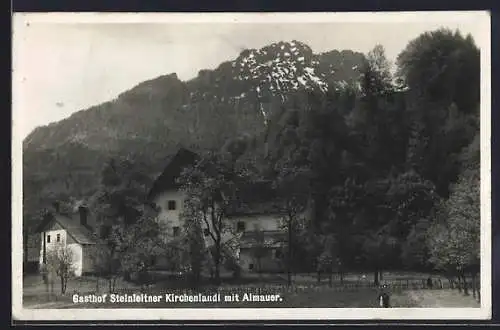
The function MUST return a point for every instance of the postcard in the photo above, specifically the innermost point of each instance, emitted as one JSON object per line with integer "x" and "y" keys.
{"x": 251, "y": 166}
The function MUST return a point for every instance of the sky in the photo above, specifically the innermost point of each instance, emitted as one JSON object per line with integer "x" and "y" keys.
{"x": 63, "y": 64}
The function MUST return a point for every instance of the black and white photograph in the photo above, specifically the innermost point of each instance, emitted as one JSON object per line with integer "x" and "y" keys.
{"x": 239, "y": 166}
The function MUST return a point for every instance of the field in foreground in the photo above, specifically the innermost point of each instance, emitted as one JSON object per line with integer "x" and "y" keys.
{"x": 35, "y": 296}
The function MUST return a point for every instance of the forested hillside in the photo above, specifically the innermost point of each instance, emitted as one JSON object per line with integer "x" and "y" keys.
{"x": 149, "y": 122}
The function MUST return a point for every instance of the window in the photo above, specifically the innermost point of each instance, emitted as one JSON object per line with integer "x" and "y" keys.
{"x": 240, "y": 226}
{"x": 206, "y": 232}
{"x": 177, "y": 231}
{"x": 58, "y": 238}
{"x": 278, "y": 254}
{"x": 48, "y": 238}
{"x": 250, "y": 266}
{"x": 171, "y": 205}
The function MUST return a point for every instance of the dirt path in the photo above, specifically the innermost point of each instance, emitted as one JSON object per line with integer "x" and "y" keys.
{"x": 441, "y": 298}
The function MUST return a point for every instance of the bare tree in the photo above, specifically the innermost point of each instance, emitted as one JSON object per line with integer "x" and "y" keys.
{"x": 60, "y": 260}
{"x": 209, "y": 186}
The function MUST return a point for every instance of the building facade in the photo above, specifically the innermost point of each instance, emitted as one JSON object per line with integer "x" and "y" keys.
{"x": 72, "y": 232}
{"x": 254, "y": 213}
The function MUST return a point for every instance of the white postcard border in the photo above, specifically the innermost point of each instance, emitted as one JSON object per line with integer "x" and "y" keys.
{"x": 484, "y": 312}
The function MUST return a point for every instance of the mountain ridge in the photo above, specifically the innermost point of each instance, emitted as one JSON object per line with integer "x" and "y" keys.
{"x": 204, "y": 76}
{"x": 158, "y": 115}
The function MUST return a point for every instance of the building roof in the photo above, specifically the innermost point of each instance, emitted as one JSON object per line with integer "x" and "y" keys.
{"x": 71, "y": 223}
{"x": 250, "y": 198}
{"x": 255, "y": 198}
{"x": 175, "y": 165}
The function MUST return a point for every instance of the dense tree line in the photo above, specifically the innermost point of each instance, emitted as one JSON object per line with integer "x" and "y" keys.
{"x": 391, "y": 172}
{"x": 396, "y": 181}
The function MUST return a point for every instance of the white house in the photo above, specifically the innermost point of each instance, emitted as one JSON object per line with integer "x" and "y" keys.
{"x": 167, "y": 197}
{"x": 73, "y": 231}
{"x": 169, "y": 200}
{"x": 256, "y": 210}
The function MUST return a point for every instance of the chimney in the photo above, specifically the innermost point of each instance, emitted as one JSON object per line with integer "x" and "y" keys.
{"x": 56, "y": 206}
{"x": 83, "y": 215}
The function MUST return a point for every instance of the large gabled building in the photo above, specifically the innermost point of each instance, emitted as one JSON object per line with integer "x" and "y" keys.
{"x": 254, "y": 219}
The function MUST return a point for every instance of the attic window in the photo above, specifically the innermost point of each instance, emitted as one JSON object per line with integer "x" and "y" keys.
{"x": 48, "y": 238}
{"x": 171, "y": 205}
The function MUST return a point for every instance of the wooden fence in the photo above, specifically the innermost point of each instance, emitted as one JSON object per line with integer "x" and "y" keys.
{"x": 396, "y": 285}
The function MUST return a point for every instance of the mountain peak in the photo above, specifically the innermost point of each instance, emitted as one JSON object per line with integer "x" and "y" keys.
{"x": 280, "y": 68}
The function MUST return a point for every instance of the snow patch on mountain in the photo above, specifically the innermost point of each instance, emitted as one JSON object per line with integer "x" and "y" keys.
{"x": 281, "y": 68}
